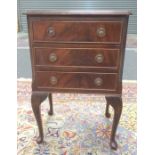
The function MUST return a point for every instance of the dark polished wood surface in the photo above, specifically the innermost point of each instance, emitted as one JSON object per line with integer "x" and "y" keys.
{"x": 76, "y": 31}
{"x": 81, "y": 57}
{"x": 79, "y": 12}
{"x": 77, "y": 80}
{"x": 77, "y": 51}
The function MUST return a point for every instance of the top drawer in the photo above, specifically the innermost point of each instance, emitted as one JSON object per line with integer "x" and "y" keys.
{"x": 77, "y": 31}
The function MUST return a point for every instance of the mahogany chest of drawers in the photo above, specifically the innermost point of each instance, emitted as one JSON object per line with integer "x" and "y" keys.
{"x": 77, "y": 51}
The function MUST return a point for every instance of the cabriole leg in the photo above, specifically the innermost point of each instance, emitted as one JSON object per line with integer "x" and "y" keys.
{"x": 116, "y": 103}
{"x": 36, "y": 99}
{"x": 107, "y": 113}
{"x": 51, "y": 104}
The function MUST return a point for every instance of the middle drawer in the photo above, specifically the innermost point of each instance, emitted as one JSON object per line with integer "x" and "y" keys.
{"x": 81, "y": 57}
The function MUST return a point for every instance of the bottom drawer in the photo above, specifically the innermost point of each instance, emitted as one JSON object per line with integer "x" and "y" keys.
{"x": 76, "y": 80}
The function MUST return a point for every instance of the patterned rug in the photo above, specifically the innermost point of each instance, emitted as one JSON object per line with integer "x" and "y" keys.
{"x": 78, "y": 126}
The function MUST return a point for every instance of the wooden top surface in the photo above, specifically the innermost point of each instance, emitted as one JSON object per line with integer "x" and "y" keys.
{"x": 78, "y": 12}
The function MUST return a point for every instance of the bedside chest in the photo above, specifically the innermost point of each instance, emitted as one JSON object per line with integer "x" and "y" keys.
{"x": 77, "y": 51}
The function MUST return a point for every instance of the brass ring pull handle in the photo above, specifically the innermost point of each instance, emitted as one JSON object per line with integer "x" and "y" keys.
{"x": 99, "y": 58}
{"x": 98, "y": 81}
{"x": 53, "y": 57}
{"x": 51, "y": 31}
{"x": 101, "y": 32}
{"x": 53, "y": 80}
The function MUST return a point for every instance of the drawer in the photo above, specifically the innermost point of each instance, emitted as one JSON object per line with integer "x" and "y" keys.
{"x": 77, "y": 31}
{"x": 71, "y": 57}
{"x": 76, "y": 80}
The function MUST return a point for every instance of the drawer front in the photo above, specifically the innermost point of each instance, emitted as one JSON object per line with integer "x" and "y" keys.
{"x": 77, "y": 31}
{"x": 103, "y": 58}
{"x": 76, "y": 80}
